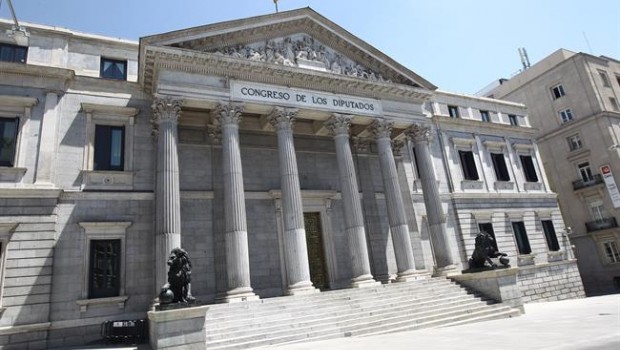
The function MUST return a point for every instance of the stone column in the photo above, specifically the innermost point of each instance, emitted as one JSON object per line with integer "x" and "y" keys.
{"x": 421, "y": 136}
{"x": 47, "y": 142}
{"x": 228, "y": 117}
{"x": 166, "y": 112}
{"x": 295, "y": 251}
{"x": 338, "y": 125}
{"x": 394, "y": 200}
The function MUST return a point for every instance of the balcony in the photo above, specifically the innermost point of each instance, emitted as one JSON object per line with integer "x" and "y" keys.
{"x": 581, "y": 183}
{"x": 601, "y": 224}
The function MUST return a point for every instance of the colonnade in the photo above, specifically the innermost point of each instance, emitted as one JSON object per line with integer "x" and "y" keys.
{"x": 166, "y": 112}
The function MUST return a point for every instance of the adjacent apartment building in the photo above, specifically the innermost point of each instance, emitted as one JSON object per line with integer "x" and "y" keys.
{"x": 286, "y": 155}
{"x": 573, "y": 101}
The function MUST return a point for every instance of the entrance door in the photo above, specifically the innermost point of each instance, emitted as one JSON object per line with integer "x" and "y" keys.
{"x": 316, "y": 255}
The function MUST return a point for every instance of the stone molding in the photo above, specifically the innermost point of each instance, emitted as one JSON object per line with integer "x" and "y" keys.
{"x": 121, "y": 111}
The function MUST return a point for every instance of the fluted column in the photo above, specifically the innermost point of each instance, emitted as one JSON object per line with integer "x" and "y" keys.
{"x": 338, "y": 125}
{"x": 394, "y": 200}
{"x": 166, "y": 112}
{"x": 228, "y": 117}
{"x": 421, "y": 135}
{"x": 296, "y": 251}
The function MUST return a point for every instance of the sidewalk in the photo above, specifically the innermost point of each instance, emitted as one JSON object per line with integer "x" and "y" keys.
{"x": 587, "y": 324}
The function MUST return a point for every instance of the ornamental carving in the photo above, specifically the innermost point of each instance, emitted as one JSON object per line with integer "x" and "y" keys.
{"x": 338, "y": 124}
{"x": 165, "y": 109}
{"x": 361, "y": 145}
{"x": 397, "y": 147}
{"x": 381, "y": 128}
{"x": 228, "y": 113}
{"x": 419, "y": 133}
{"x": 283, "y": 118}
{"x": 301, "y": 51}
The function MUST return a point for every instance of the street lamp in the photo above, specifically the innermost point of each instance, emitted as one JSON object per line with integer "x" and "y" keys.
{"x": 570, "y": 254}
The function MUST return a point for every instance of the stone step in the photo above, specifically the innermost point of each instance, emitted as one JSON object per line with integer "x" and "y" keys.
{"x": 291, "y": 303}
{"x": 376, "y": 310}
{"x": 368, "y": 315}
{"x": 313, "y": 308}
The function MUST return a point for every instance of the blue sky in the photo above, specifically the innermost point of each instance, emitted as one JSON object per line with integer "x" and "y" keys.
{"x": 457, "y": 45}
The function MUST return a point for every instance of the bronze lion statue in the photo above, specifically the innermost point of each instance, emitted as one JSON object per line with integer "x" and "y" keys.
{"x": 484, "y": 251}
{"x": 177, "y": 290}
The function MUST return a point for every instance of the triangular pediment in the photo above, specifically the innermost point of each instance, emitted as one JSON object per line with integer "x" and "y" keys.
{"x": 299, "y": 39}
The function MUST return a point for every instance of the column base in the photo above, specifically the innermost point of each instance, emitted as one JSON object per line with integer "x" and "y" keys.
{"x": 302, "y": 288}
{"x": 363, "y": 281}
{"x": 238, "y": 295}
{"x": 412, "y": 275}
{"x": 445, "y": 271}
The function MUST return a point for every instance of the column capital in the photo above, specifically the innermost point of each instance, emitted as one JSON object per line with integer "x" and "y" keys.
{"x": 419, "y": 133}
{"x": 381, "y": 128}
{"x": 397, "y": 147}
{"x": 338, "y": 124}
{"x": 283, "y": 118}
{"x": 228, "y": 113}
{"x": 165, "y": 109}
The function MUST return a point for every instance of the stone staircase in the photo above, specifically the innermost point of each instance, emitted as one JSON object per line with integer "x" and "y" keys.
{"x": 433, "y": 302}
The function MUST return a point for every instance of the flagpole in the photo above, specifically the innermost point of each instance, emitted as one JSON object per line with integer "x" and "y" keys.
{"x": 276, "y": 3}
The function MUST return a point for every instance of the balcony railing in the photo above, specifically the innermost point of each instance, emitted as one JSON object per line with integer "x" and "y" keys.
{"x": 581, "y": 183}
{"x": 601, "y": 224}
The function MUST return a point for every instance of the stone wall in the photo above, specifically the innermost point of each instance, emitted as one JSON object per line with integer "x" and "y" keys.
{"x": 550, "y": 282}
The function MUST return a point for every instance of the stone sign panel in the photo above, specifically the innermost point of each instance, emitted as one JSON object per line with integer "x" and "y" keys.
{"x": 300, "y": 98}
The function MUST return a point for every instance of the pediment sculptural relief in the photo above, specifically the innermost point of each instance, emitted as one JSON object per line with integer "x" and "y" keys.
{"x": 300, "y": 51}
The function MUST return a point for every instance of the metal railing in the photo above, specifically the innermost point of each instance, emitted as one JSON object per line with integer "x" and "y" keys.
{"x": 601, "y": 224}
{"x": 581, "y": 183}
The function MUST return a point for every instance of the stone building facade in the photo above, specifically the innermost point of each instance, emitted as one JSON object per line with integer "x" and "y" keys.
{"x": 286, "y": 155}
{"x": 573, "y": 102}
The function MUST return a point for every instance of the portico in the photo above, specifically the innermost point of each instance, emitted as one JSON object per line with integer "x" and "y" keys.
{"x": 283, "y": 132}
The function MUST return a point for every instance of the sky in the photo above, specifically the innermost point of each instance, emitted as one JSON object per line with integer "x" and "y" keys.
{"x": 457, "y": 45}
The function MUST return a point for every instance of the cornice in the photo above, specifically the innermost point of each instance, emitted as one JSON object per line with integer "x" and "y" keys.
{"x": 166, "y": 58}
{"x": 476, "y": 126}
{"x": 37, "y": 71}
{"x": 110, "y": 110}
{"x": 17, "y": 101}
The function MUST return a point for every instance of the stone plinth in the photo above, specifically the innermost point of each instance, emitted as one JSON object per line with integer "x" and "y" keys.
{"x": 178, "y": 329}
{"x": 499, "y": 285}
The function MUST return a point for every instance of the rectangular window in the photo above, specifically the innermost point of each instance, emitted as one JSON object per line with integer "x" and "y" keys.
{"x": 469, "y": 165}
{"x": 528, "y": 168}
{"x": 484, "y": 115}
{"x": 453, "y": 111}
{"x": 585, "y": 171}
{"x": 113, "y": 69}
{"x": 499, "y": 165}
{"x": 614, "y": 104}
{"x": 8, "y": 143}
{"x": 514, "y": 121}
{"x": 566, "y": 115}
{"x": 557, "y": 91}
{"x": 597, "y": 210}
{"x": 523, "y": 243}
{"x": 574, "y": 142}
{"x": 604, "y": 78}
{"x": 611, "y": 251}
{"x": 13, "y": 53}
{"x": 104, "y": 273}
{"x": 488, "y": 228}
{"x": 550, "y": 236}
{"x": 109, "y": 148}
